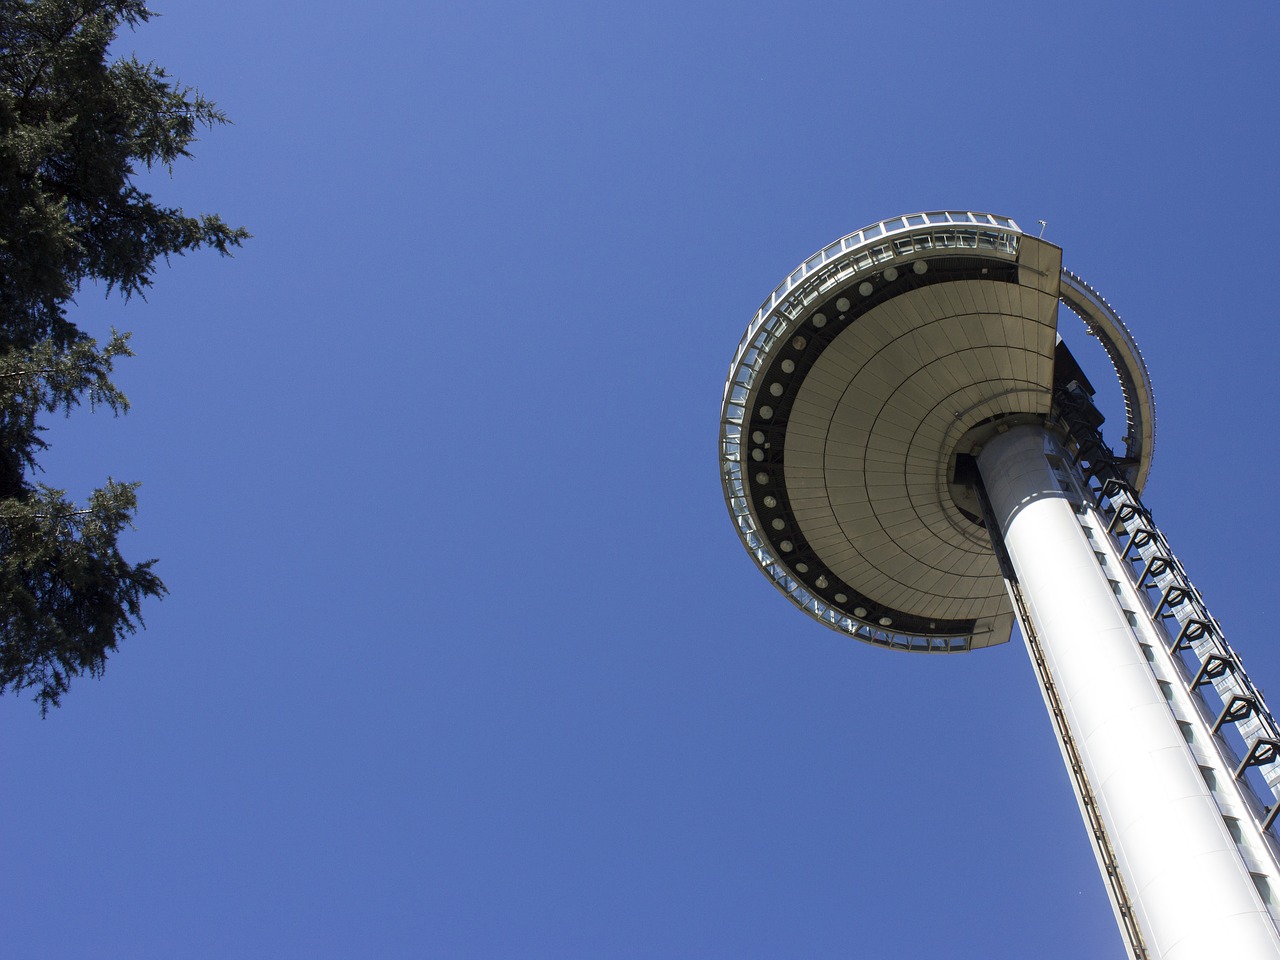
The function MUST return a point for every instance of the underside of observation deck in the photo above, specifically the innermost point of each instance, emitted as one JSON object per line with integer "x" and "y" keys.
{"x": 844, "y": 421}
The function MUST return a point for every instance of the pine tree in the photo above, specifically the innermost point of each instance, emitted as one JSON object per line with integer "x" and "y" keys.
{"x": 75, "y": 130}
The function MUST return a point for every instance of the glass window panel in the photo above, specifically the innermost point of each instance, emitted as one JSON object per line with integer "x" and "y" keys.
{"x": 1263, "y": 886}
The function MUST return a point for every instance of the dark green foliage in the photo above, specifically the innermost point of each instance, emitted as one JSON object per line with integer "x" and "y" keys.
{"x": 66, "y": 593}
{"x": 74, "y": 130}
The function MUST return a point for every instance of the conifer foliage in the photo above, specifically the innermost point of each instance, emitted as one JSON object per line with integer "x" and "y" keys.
{"x": 76, "y": 127}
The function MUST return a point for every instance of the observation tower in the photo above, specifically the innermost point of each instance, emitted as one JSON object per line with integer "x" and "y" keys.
{"x": 911, "y": 454}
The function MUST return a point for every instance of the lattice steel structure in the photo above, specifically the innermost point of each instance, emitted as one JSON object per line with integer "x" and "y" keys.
{"x": 912, "y": 456}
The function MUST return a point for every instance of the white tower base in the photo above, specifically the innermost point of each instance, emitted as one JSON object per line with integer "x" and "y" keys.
{"x": 1187, "y": 887}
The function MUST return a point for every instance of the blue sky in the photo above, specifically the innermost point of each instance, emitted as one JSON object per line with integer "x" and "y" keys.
{"x": 462, "y": 656}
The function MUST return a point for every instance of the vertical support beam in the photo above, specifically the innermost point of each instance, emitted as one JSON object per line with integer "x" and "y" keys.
{"x": 1192, "y": 893}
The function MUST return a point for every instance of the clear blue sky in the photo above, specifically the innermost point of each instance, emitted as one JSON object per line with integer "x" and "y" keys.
{"x": 463, "y": 658}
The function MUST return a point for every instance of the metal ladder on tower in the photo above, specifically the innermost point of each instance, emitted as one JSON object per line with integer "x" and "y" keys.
{"x": 1209, "y": 667}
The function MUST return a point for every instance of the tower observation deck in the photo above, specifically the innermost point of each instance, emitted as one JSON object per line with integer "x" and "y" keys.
{"x": 911, "y": 454}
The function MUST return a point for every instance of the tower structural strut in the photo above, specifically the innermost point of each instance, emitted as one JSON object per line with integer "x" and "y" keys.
{"x": 911, "y": 455}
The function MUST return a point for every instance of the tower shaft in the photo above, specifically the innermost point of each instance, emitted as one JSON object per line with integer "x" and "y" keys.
{"x": 1186, "y": 877}
{"x": 902, "y": 404}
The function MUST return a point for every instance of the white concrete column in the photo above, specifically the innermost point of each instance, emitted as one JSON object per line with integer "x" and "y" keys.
{"x": 1193, "y": 896}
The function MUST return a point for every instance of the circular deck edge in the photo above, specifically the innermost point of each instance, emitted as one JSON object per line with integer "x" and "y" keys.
{"x": 867, "y": 251}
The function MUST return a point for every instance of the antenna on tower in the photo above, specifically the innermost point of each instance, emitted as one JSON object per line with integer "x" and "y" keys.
{"x": 1043, "y": 224}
